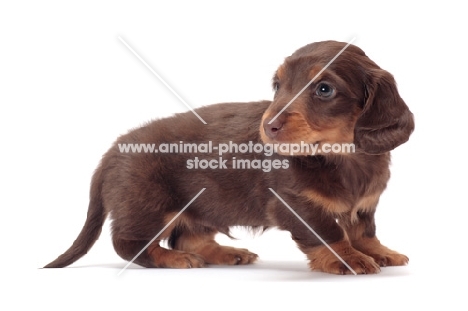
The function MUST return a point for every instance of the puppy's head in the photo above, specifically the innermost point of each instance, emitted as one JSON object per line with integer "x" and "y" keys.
{"x": 351, "y": 101}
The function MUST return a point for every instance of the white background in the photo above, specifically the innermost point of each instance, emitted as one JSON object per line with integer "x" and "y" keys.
{"x": 69, "y": 87}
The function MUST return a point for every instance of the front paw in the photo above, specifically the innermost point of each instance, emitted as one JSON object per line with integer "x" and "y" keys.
{"x": 381, "y": 254}
{"x": 322, "y": 259}
{"x": 390, "y": 259}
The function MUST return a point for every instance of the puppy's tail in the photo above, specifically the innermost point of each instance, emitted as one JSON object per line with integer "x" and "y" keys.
{"x": 91, "y": 229}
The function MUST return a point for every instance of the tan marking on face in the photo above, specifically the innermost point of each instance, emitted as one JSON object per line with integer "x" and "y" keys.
{"x": 296, "y": 130}
{"x": 281, "y": 71}
{"x": 313, "y": 73}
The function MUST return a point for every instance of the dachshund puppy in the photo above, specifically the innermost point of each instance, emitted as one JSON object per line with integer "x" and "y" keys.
{"x": 352, "y": 102}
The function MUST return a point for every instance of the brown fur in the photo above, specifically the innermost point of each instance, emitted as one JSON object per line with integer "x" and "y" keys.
{"x": 142, "y": 192}
{"x": 322, "y": 259}
{"x": 212, "y": 252}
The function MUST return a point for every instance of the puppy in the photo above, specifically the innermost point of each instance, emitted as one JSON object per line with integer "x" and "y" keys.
{"x": 352, "y": 102}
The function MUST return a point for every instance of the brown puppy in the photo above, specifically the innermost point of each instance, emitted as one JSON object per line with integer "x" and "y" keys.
{"x": 351, "y": 101}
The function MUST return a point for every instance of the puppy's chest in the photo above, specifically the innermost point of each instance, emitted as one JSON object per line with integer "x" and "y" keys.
{"x": 340, "y": 191}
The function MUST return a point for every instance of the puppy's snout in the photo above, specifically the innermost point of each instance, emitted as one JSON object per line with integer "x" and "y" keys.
{"x": 272, "y": 129}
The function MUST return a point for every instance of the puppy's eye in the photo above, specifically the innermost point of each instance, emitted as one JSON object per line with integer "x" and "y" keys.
{"x": 276, "y": 86}
{"x": 324, "y": 90}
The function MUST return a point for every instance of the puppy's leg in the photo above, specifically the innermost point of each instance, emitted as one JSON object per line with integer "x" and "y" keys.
{"x": 325, "y": 225}
{"x": 361, "y": 233}
{"x": 203, "y": 243}
{"x": 156, "y": 256}
{"x": 128, "y": 249}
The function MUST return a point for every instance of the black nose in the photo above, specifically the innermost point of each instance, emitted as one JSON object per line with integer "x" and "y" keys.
{"x": 272, "y": 129}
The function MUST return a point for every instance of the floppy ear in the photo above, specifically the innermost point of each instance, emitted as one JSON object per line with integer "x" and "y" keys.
{"x": 385, "y": 121}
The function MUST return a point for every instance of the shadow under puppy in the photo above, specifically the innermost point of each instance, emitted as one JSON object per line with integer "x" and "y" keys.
{"x": 351, "y": 101}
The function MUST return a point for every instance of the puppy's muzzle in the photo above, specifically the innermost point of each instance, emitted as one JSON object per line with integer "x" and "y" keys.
{"x": 272, "y": 130}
